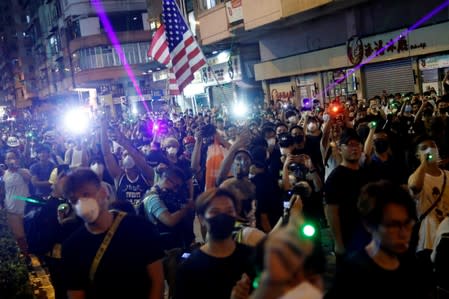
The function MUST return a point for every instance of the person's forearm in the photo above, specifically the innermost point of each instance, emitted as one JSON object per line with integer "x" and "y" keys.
{"x": 333, "y": 219}
{"x": 226, "y": 165}
{"x": 285, "y": 179}
{"x": 416, "y": 179}
{"x": 196, "y": 156}
{"x": 368, "y": 147}
{"x": 265, "y": 223}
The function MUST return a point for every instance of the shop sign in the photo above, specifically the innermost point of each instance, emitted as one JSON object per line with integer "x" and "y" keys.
{"x": 224, "y": 72}
{"x": 234, "y": 11}
{"x": 359, "y": 49}
{"x": 435, "y": 62}
{"x": 282, "y": 91}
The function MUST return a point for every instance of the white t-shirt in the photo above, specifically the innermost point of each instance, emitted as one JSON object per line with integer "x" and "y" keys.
{"x": 431, "y": 189}
{"x": 304, "y": 290}
{"x": 442, "y": 229}
{"x": 15, "y": 185}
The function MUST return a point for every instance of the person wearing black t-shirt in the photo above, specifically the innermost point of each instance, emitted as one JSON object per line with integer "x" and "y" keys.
{"x": 214, "y": 269}
{"x": 131, "y": 266}
{"x": 383, "y": 268}
{"x": 342, "y": 189}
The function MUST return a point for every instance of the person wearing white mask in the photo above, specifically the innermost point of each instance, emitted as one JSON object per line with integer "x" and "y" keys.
{"x": 135, "y": 177}
{"x": 16, "y": 182}
{"x": 114, "y": 255}
{"x": 97, "y": 166}
{"x": 171, "y": 146}
{"x": 429, "y": 185}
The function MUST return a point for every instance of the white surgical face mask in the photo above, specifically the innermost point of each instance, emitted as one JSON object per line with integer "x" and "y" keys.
{"x": 172, "y": 150}
{"x": 271, "y": 141}
{"x": 98, "y": 169}
{"x": 408, "y": 109}
{"x": 128, "y": 162}
{"x": 312, "y": 127}
{"x": 87, "y": 209}
{"x": 326, "y": 118}
{"x": 293, "y": 119}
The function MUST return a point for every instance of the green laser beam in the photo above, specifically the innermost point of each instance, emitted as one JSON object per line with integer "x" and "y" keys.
{"x": 27, "y": 199}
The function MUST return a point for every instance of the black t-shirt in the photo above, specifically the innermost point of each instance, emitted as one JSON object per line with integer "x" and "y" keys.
{"x": 391, "y": 170}
{"x": 361, "y": 277}
{"x": 342, "y": 188}
{"x": 268, "y": 198}
{"x": 42, "y": 171}
{"x": 122, "y": 271}
{"x": 203, "y": 276}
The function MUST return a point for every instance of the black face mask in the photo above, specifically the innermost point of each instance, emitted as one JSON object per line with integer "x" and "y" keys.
{"x": 221, "y": 226}
{"x": 298, "y": 139}
{"x": 381, "y": 146}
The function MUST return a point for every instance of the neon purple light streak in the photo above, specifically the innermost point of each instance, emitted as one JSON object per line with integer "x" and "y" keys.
{"x": 405, "y": 33}
{"x": 116, "y": 44}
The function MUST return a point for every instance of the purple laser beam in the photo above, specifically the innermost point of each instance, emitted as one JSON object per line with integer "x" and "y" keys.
{"x": 389, "y": 44}
{"x": 118, "y": 48}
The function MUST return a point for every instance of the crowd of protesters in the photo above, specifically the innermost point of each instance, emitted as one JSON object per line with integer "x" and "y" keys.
{"x": 111, "y": 211}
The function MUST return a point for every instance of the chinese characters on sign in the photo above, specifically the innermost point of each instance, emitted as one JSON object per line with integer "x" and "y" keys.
{"x": 357, "y": 49}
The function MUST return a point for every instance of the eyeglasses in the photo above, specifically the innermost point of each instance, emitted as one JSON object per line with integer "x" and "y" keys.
{"x": 398, "y": 225}
{"x": 353, "y": 144}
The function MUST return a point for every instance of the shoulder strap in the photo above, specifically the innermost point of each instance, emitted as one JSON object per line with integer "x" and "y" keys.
{"x": 104, "y": 245}
{"x": 435, "y": 203}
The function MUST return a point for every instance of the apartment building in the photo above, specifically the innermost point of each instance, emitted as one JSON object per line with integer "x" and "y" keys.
{"x": 73, "y": 58}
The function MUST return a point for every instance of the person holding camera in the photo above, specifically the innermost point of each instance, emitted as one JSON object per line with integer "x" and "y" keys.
{"x": 299, "y": 176}
{"x": 208, "y": 153}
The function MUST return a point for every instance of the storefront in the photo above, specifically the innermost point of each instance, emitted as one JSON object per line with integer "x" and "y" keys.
{"x": 432, "y": 70}
{"x": 393, "y": 69}
{"x": 339, "y": 83}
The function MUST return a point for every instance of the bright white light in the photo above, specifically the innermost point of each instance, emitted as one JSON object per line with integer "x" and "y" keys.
{"x": 223, "y": 56}
{"x": 77, "y": 120}
{"x": 214, "y": 52}
{"x": 134, "y": 111}
{"x": 240, "y": 109}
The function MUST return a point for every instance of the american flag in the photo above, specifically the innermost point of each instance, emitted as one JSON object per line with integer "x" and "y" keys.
{"x": 159, "y": 52}
{"x": 186, "y": 55}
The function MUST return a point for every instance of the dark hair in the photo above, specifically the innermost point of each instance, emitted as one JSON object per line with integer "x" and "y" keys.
{"x": 173, "y": 172}
{"x": 420, "y": 139}
{"x": 78, "y": 179}
{"x": 281, "y": 125}
{"x": 296, "y": 127}
{"x": 203, "y": 201}
{"x": 43, "y": 148}
{"x": 374, "y": 197}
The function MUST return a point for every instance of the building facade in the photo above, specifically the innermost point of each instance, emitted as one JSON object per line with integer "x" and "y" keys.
{"x": 311, "y": 48}
{"x": 68, "y": 55}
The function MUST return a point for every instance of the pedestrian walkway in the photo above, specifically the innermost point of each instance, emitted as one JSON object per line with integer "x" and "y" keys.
{"x": 40, "y": 280}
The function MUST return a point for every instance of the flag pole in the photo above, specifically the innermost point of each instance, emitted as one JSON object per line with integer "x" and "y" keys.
{"x": 207, "y": 62}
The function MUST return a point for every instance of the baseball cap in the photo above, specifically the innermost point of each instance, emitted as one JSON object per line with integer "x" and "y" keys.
{"x": 348, "y": 135}
{"x": 285, "y": 140}
{"x": 12, "y": 141}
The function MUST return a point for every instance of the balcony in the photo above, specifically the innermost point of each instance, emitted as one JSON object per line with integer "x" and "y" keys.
{"x": 214, "y": 25}
{"x": 103, "y": 40}
{"x": 261, "y": 12}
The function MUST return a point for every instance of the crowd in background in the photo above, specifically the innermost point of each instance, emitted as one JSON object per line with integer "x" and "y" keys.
{"x": 367, "y": 169}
